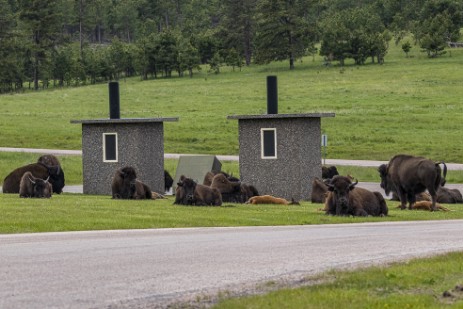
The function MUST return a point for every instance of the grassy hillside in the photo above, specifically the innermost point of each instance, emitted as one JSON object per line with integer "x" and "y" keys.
{"x": 408, "y": 105}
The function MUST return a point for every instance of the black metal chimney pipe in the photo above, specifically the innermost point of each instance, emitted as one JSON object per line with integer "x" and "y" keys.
{"x": 272, "y": 95}
{"x": 114, "y": 109}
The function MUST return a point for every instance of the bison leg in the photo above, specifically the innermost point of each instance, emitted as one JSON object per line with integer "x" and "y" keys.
{"x": 411, "y": 196}
{"x": 403, "y": 199}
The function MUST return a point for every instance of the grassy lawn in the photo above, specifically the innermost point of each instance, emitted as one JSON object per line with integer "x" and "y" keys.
{"x": 419, "y": 283}
{"x": 76, "y": 212}
{"x": 408, "y": 105}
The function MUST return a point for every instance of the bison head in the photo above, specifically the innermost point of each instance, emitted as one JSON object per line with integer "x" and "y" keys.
{"x": 385, "y": 184}
{"x": 187, "y": 190}
{"x": 341, "y": 186}
{"x": 40, "y": 187}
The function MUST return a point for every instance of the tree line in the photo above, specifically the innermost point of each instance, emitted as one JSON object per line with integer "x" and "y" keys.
{"x": 75, "y": 42}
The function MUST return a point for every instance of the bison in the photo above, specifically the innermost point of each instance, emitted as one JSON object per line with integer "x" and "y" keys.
{"x": 268, "y": 199}
{"x": 449, "y": 196}
{"x": 319, "y": 189}
{"x": 54, "y": 174}
{"x": 168, "y": 181}
{"x": 409, "y": 175}
{"x": 125, "y": 185}
{"x": 188, "y": 192}
{"x": 232, "y": 189}
{"x": 31, "y": 186}
{"x": 49, "y": 160}
{"x": 329, "y": 172}
{"x": 346, "y": 199}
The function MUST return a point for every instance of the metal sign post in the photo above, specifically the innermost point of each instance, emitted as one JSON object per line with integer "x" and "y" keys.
{"x": 324, "y": 144}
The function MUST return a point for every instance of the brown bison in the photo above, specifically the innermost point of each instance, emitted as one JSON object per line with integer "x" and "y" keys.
{"x": 345, "y": 199}
{"x": 188, "y": 192}
{"x": 54, "y": 174}
{"x": 125, "y": 185}
{"x": 449, "y": 196}
{"x": 168, "y": 181}
{"x": 31, "y": 186}
{"x": 409, "y": 175}
{"x": 232, "y": 189}
{"x": 319, "y": 189}
{"x": 268, "y": 199}
{"x": 49, "y": 160}
{"x": 329, "y": 172}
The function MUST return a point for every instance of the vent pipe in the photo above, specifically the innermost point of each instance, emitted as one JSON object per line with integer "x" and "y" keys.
{"x": 114, "y": 109}
{"x": 272, "y": 95}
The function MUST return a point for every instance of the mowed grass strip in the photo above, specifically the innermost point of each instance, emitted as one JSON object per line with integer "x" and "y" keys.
{"x": 418, "y": 283}
{"x": 407, "y": 105}
{"x": 77, "y": 212}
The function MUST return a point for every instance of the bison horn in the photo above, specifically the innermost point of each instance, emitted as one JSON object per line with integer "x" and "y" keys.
{"x": 31, "y": 180}
{"x": 46, "y": 180}
{"x": 352, "y": 185}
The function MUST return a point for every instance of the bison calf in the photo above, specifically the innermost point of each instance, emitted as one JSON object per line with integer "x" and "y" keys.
{"x": 31, "y": 186}
{"x": 268, "y": 199}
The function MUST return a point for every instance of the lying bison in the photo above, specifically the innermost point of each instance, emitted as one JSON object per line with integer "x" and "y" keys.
{"x": 125, "y": 185}
{"x": 319, "y": 189}
{"x": 188, "y": 192}
{"x": 269, "y": 199}
{"x": 54, "y": 174}
{"x": 233, "y": 190}
{"x": 329, "y": 172}
{"x": 345, "y": 199}
{"x": 409, "y": 175}
{"x": 449, "y": 196}
{"x": 31, "y": 186}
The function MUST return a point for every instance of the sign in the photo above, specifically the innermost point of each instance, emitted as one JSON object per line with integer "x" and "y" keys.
{"x": 324, "y": 140}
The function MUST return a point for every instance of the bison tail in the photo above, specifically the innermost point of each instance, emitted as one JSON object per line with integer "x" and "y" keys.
{"x": 440, "y": 181}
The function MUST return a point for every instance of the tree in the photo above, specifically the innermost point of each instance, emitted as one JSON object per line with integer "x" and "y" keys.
{"x": 10, "y": 50}
{"x": 42, "y": 24}
{"x": 406, "y": 47}
{"x": 283, "y": 32}
{"x": 238, "y": 26}
{"x": 440, "y": 22}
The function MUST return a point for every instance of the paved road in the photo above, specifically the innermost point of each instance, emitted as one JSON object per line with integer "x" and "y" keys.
{"x": 140, "y": 268}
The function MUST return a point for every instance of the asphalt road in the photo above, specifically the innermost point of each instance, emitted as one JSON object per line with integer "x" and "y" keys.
{"x": 154, "y": 268}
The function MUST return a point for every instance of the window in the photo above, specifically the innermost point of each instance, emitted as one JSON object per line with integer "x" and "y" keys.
{"x": 109, "y": 147}
{"x": 268, "y": 143}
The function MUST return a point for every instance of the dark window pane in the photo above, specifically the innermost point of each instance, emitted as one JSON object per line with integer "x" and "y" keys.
{"x": 110, "y": 147}
{"x": 269, "y": 143}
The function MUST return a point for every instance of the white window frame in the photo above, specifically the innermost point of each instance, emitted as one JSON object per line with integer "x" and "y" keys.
{"x": 104, "y": 147}
{"x": 262, "y": 155}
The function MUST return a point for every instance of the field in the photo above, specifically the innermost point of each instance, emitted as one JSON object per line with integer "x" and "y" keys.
{"x": 408, "y": 105}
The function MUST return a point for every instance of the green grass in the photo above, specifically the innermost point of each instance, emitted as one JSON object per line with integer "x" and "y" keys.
{"x": 419, "y": 283}
{"x": 76, "y": 212}
{"x": 408, "y": 105}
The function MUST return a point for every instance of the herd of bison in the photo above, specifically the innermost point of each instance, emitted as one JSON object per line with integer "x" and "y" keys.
{"x": 418, "y": 181}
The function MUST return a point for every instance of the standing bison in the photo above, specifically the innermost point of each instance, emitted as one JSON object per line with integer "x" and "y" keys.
{"x": 188, "y": 192}
{"x": 345, "y": 199}
{"x": 54, "y": 174}
{"x": 409, "y": 175}
{"x": 31, "y": 186}
{"x": 125, "y": 185}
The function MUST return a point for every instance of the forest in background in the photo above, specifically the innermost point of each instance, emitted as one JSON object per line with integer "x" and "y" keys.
{"x": 47, "y": 43}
